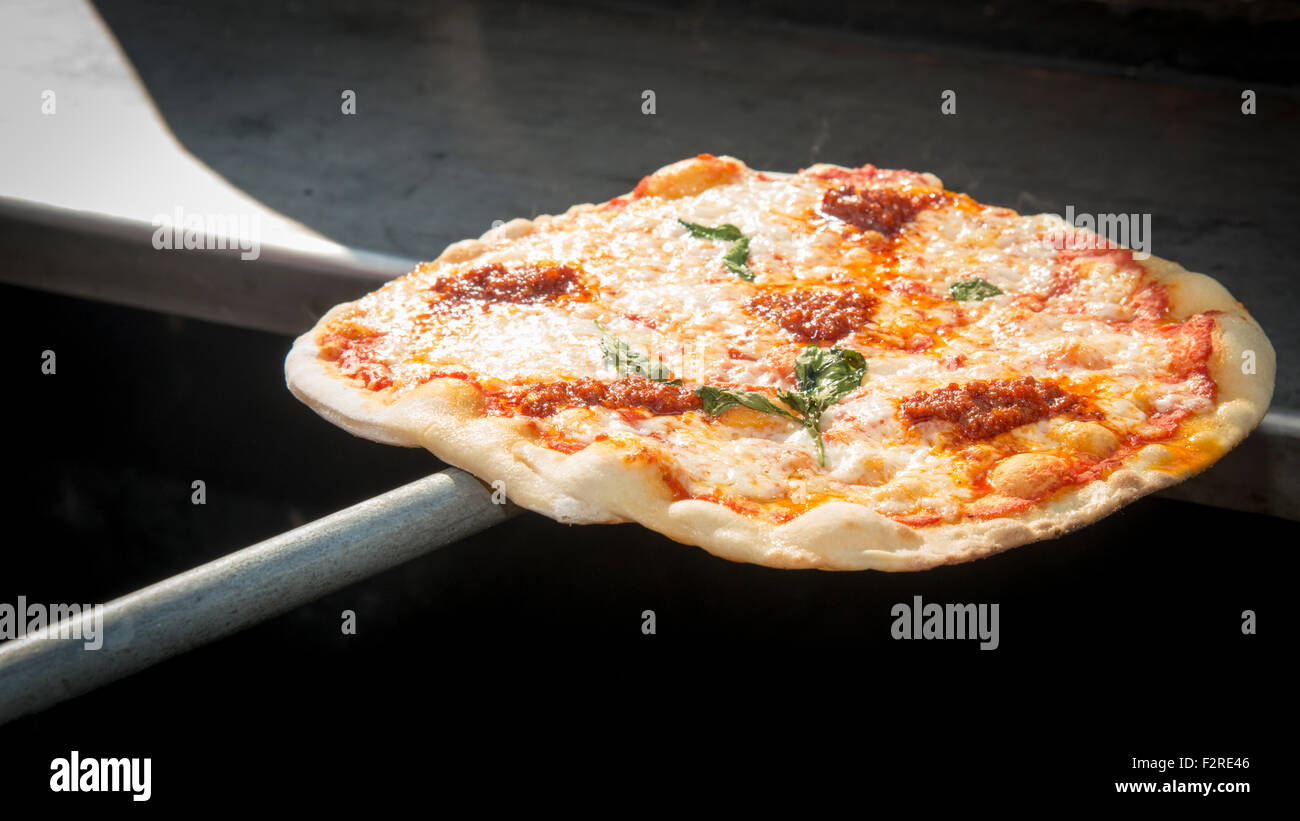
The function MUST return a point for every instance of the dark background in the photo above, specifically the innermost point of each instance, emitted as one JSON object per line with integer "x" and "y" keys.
{"x": 517, "y": 655}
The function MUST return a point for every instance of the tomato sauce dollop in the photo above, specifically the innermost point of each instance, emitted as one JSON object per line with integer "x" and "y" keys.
{"x": 984, "y": 409}
{"x": 884, "y": 210}
{"x": 548, "y": 398}
{"x": 494, "y": 282}
{"x": 815, "y": 315}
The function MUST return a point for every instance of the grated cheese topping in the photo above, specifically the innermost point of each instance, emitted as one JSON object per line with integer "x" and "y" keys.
{"x": 1063, "y": 316}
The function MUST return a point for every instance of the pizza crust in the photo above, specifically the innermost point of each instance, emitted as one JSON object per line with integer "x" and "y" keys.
{"x": 602, "y": 484}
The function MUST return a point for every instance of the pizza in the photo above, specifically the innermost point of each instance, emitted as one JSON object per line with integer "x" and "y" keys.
{"x": 839, "y": 368}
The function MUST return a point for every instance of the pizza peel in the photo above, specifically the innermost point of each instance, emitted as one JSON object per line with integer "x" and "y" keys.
{"x": 243, "y": 588}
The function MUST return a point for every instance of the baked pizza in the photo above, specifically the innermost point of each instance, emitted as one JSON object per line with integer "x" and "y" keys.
{"x": 841, "y": 368}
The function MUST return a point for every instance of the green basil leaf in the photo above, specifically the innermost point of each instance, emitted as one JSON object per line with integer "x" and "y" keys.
{"x": 737, "y": 259}
{"x": 797, "y": 401}
{"x": 815, "y": 432}
{"x": 725, "y": 232}
{"x": 718, "y": 400}
{"x": 824, "y": 376}
{"x": 973, "y": 290}
{"x": 827, "y": 375}
{"x": 629, "y": 362}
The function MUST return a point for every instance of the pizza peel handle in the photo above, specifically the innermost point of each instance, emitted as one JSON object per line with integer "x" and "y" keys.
{"x": 244, "y": 588}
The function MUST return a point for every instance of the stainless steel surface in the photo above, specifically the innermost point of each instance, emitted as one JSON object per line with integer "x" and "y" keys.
{"x": 112, "y": 259}
{"x": 246, "y": 587}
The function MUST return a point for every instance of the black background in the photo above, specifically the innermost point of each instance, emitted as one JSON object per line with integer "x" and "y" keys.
{"x": 523, "y": 643}
{"x": 515, "y": 659}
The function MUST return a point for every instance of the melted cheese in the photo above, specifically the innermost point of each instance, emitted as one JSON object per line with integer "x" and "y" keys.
{"x": 666, "y": 292}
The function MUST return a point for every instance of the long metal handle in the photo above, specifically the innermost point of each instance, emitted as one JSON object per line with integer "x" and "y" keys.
{"x": 246, "y": 587}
